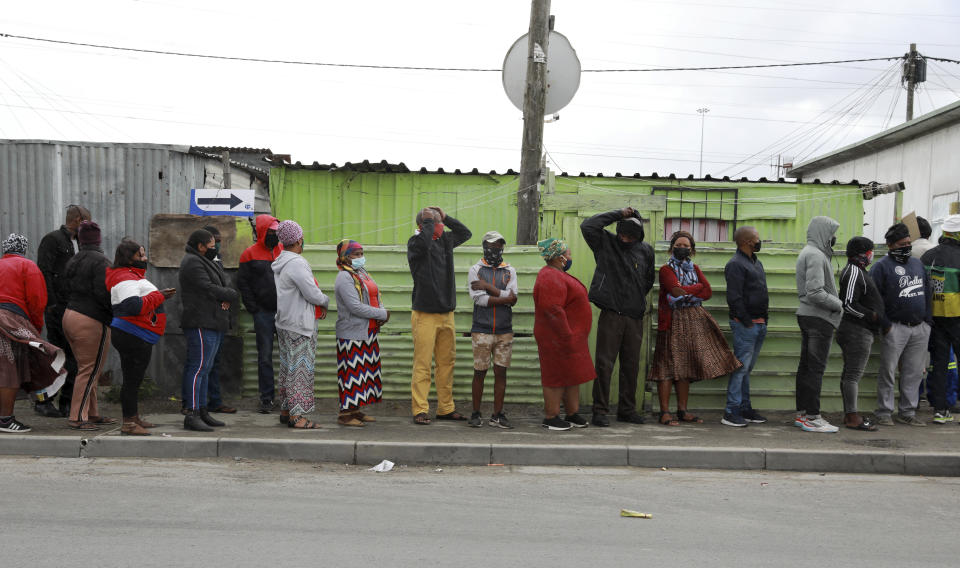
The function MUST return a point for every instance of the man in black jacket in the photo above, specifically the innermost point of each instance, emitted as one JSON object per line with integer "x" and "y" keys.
{"x": 748, "y": 302}
{"x": 56, "y": 248}
{"x": 621, "y": 282}
{"x": 430, "y": 256}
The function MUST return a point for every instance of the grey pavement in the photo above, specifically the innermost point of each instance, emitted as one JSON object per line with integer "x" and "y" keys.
{"x": 777, "y": 445}
{"x": 222, "y": 512}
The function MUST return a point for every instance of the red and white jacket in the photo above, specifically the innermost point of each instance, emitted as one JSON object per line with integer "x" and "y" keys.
{"x": 137, "y": 304}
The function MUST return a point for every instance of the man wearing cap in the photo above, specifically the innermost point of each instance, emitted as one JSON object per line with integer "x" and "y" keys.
{"x": 905, "y": 288}
{"x": 492, "y": 284}
{"x": 621, "y": 282}
{"x": 300, "y": 303}
{"x": 942, "y": 263}
{"x": 56, "y": 248}
{"x": 430, "y": 257}
{"x": 259, "y": 293}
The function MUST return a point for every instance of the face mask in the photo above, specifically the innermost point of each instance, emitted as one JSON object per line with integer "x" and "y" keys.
{"x": 359, "y": 263}
{"x": 493, "y": 256}
{"x": 863, "y": 260}
{"x": 626, "y": 245}
{"x": 216, "y": 247}
{"x": 211, "y": 253}
{"x": 756, "y": 246}
{"x": 833, "y": 241}
{"x": 681, "y": 253}
{"x": 141, "y": 264}
{"x": 437, "y": 230}
{"x": 568, "y": 264}
{"x": 271, "y": 241}
{"x": 902, "y": 254}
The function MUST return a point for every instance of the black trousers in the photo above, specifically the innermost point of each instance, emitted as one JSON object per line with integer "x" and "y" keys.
{"x": 945, "y": 334}
{"x": 622, "y": 336}
{"x": 134, "y": 358}
{"x": 817, "y": 335}
{"x": 53, "y": 320}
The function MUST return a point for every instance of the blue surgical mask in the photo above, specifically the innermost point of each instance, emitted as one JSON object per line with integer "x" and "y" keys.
{"x": 568, "y": 264}
{"x": 358, "y": 263}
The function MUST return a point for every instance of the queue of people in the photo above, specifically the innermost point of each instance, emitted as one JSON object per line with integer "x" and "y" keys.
{"x": 87, "y": 303}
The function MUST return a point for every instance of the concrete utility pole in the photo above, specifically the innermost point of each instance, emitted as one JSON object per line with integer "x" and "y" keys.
{"x": 534, "y": 100}
{"x": 225, "y": 156}
{"x": 910, "y": 75}
{"x": 703, "y": 117}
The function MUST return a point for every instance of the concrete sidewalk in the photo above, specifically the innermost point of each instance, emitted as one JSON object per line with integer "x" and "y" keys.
{"x": 777, "y": 445}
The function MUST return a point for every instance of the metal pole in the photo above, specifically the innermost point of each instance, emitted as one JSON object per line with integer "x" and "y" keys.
{"x": 534, "y": 100}
{"x": 226, "y": 169}
{"x": 703, "y": 116}
{"x": 910, "y": 70}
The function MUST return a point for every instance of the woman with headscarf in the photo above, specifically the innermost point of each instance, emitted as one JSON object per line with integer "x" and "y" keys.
{"x": 690, "y": 345}
{"x": 86, "y": 323}
{"x": 26, "y": 361}
{"x": 138, "y": 323}
{"x": 360, "y": 313}
{"x": 562, "y": 320}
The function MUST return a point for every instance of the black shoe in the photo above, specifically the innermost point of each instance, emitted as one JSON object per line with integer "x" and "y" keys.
{"x": 751, "y": 415}
{"x": 46, "y": 408}
{"x": 576, "y": 420}
{"x": 556, "y": 423}
{"x": 64, "y": 407}
{"x": 500, "y": 421}
{"x": 210, "y": 420}
{"x": 476, "y": 420}
{"x": 266, "y": 407}
{"x": 600, "y": 420}
{"x": 632, "y": 418}
{"x": 193, "y": 421}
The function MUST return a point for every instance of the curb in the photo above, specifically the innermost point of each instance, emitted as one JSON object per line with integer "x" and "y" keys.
{"x": 412, "y": 453}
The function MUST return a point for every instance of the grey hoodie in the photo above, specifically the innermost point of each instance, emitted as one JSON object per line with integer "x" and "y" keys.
{"x": 815, "y": 284}
{"x": 297, "y": 294}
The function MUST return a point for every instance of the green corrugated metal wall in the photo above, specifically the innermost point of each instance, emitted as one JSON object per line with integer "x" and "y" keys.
{"x": 378, "y": 209}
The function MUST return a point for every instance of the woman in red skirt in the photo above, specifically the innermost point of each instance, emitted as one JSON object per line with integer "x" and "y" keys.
{"x": 562, "y": 320}
{"x": 690, "y": 345}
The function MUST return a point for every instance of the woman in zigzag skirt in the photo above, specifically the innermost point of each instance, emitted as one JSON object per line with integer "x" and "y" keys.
{"x": 360, "y": 313}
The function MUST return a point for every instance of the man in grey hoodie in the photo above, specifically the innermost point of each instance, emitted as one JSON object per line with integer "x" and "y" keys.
{"x": 819, "y": 316}
{"x": 300, "y": 303}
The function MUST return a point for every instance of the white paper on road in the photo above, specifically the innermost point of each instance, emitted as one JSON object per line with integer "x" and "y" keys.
{"x": 385, "y": 465}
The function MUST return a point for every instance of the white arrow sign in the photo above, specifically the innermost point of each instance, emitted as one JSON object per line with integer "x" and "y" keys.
{"x": 238, "y": 202}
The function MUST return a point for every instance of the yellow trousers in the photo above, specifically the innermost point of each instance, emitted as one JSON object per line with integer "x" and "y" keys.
{"x": 434, "y": 338}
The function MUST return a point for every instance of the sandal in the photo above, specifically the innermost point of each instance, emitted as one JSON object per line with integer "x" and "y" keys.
{"x": 102, "y": 420}
{"x": 350, "y": 420}
{"x": 82, "y": 425}
{"x": 363, "y": 417}
{"x": 667, "y": 419}
{"x": 452, "y": 416}
{"x": 688, "y": 417}
{"x": 421, "y": 419}
{"x": 301, "y": 423}
{"x": 865, "y": 425}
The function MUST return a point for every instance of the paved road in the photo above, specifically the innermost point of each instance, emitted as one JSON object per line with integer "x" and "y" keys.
{"x": 142, "y": 513}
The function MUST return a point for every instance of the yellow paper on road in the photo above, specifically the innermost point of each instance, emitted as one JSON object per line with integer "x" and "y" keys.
{"x": 637, "y": 514}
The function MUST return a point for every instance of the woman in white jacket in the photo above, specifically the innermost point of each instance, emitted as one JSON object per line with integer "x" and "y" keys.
{"x": 299, "y": 304}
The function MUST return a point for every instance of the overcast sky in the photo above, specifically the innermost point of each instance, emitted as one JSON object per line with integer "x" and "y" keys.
{"x": 617, "y": 122}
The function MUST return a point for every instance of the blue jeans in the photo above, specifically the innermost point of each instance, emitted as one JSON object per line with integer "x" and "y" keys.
{"x": 214, "y": 398}
{"x": 202, "y": 347}
{"x": 265, "y": 326}
{"x": 747, "y": 342}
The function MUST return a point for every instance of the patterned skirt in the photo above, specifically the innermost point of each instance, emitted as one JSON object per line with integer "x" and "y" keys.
{"x": 358, "y": 372}
{"x": 693, "y": 349}
{"x": 295, "y": 378}
{"x": 27, "y": 361}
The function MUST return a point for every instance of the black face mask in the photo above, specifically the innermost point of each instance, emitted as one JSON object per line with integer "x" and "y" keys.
{"x": 141, "y": 264}
{"x": 625, "y": 245}
{"x": 681, "y": 253}
{"x": 271, "y": 241}
{"x": 211, "y": 253}
{"x": 493, "y": 256}
{"x": 756, "y": 246}
{"x": 902, "y": 254}
{"x": 833, "y": 241}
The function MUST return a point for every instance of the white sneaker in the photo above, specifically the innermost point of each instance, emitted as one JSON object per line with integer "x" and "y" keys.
{"x": 799, "y": 420}
{"x": 818, "y": 424}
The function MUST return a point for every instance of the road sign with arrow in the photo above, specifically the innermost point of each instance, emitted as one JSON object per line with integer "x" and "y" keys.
{"x": 237, "y": 202}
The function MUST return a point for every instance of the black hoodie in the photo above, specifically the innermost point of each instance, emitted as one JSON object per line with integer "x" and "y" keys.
{"x": 624, "y": 274}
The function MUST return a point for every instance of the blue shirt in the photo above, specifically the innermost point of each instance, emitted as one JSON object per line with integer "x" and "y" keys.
{"x": 905, "y": 289}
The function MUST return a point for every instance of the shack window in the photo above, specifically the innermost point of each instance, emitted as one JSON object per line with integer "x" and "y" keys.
{"x": 709, "y": 214}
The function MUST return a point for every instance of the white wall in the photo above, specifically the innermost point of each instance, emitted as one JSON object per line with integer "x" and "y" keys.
{"x": 928, "y": 165}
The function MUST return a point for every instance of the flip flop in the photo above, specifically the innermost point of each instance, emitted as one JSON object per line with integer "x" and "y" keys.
{"x": 103, "y": 420}
{"x": 865, "y": 426}
{"x": 451, "y": 416}
{"x": 82, "y": 425}
{"x": 421, "y": 419}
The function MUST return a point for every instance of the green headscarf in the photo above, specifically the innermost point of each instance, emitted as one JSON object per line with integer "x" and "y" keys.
{"x": 551, "y": 248}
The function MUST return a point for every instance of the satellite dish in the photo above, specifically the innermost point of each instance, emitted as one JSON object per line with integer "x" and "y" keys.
{"x": 563, "y": 73}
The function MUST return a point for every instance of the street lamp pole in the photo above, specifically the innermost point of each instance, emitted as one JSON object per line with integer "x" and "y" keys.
{"x": 703, "y": 116}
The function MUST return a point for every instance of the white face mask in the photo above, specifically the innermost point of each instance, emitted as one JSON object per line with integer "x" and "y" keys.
{"x": 359, "y": 262}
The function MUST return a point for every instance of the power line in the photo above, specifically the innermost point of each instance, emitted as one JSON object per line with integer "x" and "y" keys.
{"x": 420, "y": 68}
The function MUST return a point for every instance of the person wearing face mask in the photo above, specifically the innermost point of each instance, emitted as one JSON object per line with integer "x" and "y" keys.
{"x": 905, "y": 288}
{"x": 748, "y": 301}
{"x": 561, "y": 324}
{"x": 214, "y": 394}
{"x": 138, "y": 323}
{"x": 492, "y": 284}
{"x": 259, "y": 292}
{"x": 863, "y": 317}
{"x": 621, "y": 282}
{"x": 430, "y": 257}
{"x": 205, "y": 302}
{"x": 300, "y": 303}
{"x": 690, "y": 346}
{"x": 942, "y": 264}
{"x": 360, "y": 314}
{"x": 818, "y": 315}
